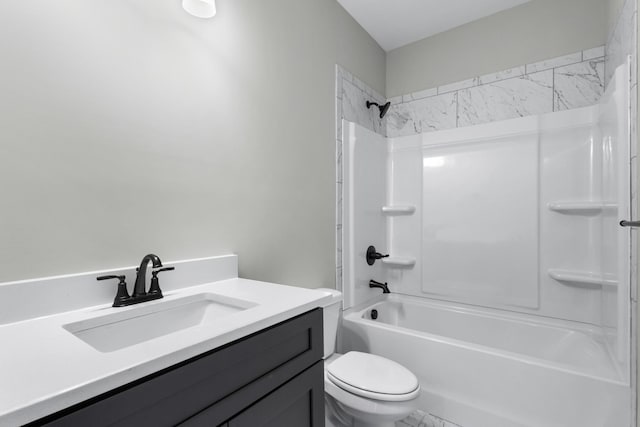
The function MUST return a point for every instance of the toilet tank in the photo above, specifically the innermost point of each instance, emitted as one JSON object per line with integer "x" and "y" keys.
{"x": 330, "y": 317}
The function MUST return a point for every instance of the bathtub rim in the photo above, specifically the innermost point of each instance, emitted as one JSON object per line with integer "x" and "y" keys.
{"x": 355, "y": 314}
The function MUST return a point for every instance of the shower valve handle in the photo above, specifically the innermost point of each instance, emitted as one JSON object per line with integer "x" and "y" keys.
{"x": 373, "y": 255}
{"x": 378, "y": 255}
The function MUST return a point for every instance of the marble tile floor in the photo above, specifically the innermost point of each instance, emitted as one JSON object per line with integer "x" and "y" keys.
{"x": 422, "y": 419}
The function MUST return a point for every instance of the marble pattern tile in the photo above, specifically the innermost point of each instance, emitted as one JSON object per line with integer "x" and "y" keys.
{"x": 502, "y": 75}
{"x": 424, "y": 115}
{"x": 339, "y": 79}
{"x": 634, "y": 50}
{"x": 622, "y": 40}
{"x": 511, "y": 93}
{"x": 346, "y": 75}
{"x": 339, "y": 212}
{"x": 419, "y": 95}
{"x": 339, "y": 168}
{"x": 458, "y": 86}
{"x": 401, "y": 121}
{"x": 507, "y": 99}
{"x": 633, "y": 171}
{"x": 433, "y": 421}
{"x": 413, "y": 420}
{"x": 377, "y": 97}
{"x": 596, "y": 52}
{"x": 354, "y": 108}
{"x": 339, "y": 119}
{"x": 554, "y": 62}
{"x": 578, "y": 85}
{"x": 633, "y": 100}
{"x": 634, "y": 266}
{"x": 339, "y": 250}
{"x": 421, "y": 419}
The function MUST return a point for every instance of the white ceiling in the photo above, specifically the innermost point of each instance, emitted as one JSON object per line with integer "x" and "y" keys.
{"x": 395, "y": 23}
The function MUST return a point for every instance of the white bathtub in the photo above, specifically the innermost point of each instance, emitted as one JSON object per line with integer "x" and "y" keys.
{"x": 484, "y": 368}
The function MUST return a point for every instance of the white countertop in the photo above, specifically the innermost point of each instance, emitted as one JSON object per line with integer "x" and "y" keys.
{"x": 44, "y": 368}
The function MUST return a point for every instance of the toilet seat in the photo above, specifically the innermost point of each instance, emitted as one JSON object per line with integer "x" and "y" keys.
{"x": 373, "y": 377}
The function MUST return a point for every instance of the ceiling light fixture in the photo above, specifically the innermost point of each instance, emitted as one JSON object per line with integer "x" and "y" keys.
{"x": 200, "y": 8}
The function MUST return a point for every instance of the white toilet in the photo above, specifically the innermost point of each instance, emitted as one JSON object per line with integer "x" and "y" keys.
{"x": 361, "y": 389}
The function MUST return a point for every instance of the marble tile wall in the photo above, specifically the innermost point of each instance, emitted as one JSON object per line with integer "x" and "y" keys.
{"x": 622, "y": 40}
{"x": 570, "y": 81}
{"x": 353, "y": 94}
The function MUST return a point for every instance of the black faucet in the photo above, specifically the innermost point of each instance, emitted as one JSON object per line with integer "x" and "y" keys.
{"x": 383, "y": 286}
{"x": 140, "y": 293}
{"x": 139, "y": 288}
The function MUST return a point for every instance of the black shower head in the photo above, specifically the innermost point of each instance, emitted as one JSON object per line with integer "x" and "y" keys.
{"x": 383, "y": 108}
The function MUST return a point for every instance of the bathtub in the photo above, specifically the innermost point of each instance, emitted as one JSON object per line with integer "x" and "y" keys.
{"x": 487, "y": 368}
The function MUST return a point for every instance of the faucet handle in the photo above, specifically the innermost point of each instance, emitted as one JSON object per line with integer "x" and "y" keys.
{"x": 373, "y": 255}
{"x": 121, "y": 278}
{"x": 122, "y": 295}
{"x": 155, "y": 284}
{"x": 155, "y": 272}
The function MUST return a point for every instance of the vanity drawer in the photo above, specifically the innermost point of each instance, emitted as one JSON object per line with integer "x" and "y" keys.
{"x": 268, "y": 358}
{"x": 297, "y": 403}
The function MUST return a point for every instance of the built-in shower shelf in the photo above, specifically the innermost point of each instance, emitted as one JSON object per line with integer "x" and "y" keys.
{"x": 581, "y": 208}
{"x": 399, "y": 210}
{"x": 399, "y": 261}
{"x": 580, "y": 278}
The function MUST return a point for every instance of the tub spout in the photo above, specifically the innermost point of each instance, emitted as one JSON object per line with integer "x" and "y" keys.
{"x": 383, "y": 286}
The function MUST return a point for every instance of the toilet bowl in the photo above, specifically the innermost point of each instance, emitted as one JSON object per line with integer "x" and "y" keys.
{"x": 361, "y": 389}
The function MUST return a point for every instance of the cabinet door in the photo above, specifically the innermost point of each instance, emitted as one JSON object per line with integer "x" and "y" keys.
{"x": 298, "y": 403}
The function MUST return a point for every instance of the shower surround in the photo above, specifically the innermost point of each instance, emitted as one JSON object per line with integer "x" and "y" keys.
{"x": 570, "y": 81}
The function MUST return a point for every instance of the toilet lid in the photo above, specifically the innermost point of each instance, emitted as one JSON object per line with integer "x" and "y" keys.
{"x": 373, "y": 376}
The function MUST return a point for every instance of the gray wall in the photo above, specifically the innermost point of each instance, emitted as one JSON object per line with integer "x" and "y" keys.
{"x": 532, "y": 32}
{"x": 129, "y": 127}
{"x": 614, "y": 7}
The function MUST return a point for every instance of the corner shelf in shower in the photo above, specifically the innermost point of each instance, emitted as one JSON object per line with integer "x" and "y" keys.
{"x": 581, "y": 208}
{"x": 399, "y": 261}
{"x": 399, "y": 210}
{"x": 580, "y": 278}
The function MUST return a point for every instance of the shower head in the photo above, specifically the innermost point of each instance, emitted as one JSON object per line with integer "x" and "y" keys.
{"x": 383, "y": 108}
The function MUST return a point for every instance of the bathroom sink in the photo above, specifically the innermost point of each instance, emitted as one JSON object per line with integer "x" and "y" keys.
{"x": 139, "y": 324}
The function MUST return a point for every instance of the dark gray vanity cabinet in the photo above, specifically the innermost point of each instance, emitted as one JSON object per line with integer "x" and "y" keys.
{"x": 297, "y": 403}
{"x": 274, "y": 377}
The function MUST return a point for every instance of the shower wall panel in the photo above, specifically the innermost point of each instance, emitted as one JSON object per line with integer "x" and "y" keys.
{"x": 365, "y": 183}
{"x": 480, "y": 220}
{"x": 494, "y": 202}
